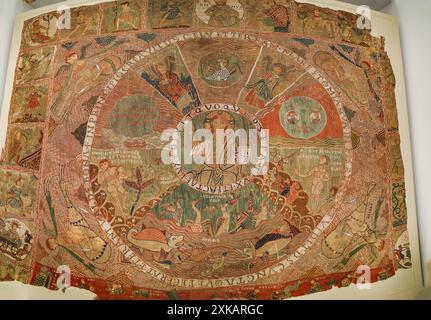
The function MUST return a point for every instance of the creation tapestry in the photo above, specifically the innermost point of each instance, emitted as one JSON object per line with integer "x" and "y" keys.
{"x": 113, "y": 166}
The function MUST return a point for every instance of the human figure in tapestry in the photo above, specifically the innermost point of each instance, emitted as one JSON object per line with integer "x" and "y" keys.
{"x": 222, "y": 15}
{"x": 177, "y": 88}
{"x": 268, "y": 85}
{"x": 279, "y": 15}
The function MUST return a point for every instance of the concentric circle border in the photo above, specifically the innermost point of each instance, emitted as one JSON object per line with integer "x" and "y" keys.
{"x": 227, "y": 281}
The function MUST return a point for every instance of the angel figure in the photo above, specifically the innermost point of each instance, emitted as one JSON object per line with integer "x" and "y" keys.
{"x": 269, "y": 85}
{"x": 78, "y": 231}
{"x": 76, "y": 77}
{"x": 178, "y": 89}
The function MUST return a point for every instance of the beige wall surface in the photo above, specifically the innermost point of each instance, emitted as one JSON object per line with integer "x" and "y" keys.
{"x": 406, "y": 284}
{"x": 415, "y": 25}
{"x": 8, "y": 9}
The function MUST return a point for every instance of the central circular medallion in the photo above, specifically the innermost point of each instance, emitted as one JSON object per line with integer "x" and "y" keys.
{"x": 222, "y": 161}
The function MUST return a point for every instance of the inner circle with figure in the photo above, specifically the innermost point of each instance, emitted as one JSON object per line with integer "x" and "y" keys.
{"x": 224, "y": 165}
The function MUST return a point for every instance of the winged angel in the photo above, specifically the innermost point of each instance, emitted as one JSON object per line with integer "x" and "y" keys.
{"x": 178, "y": 89}
{"x": 79, "y": 75}
{"x": 78, "y": 231}
{"x": 270, "y": 84}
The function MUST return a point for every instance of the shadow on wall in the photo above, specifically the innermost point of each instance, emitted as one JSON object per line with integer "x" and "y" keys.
{"x": 9, "y": 9}
{"x": 414, "y": 23}
{"x": 426, "y": 293}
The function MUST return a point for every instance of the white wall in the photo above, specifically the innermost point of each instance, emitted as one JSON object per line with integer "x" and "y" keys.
{"x": 414, "y": 18}
{"x": 8, "y": 10}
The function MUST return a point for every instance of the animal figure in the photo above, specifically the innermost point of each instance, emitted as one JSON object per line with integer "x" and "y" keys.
{"x": 216, "y": 265}
{"x": 271, "y": 243}
{"x": 222, "y": 74}
{"x": 153, "y": 239}
{"x": 199, "y": 254}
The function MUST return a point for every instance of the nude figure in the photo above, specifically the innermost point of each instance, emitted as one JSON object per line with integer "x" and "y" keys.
{"x": 113, "y": 177}
{"x": 320, "y": 175}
